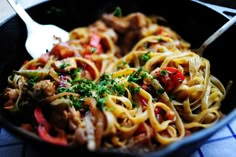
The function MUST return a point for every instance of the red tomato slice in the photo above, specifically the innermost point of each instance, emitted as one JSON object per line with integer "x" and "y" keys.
{"x": 170, "y": 78}
{"x": 94, "y": 40}
{"x": 62, "y": 50}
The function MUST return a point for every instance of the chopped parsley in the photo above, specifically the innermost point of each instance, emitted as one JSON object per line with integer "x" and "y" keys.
{"x": 93, "y": 49}
{"x": 146, "y": 56}
{"x": 75, "y": 72}
{"x": 117, "y": 12}
{"x": 160, "y": 91}
{"x": 137, "y": 76}
{"x": 101, "y": 103}
{"x": 63, "y": 65}
{"x": 163, "y": 72}
{"x": 121, "y": 65}
{"x": 77, "y": 103}
{"x": 134, "y": 90}
{"x": 159, "y": 39}
{"x": 98, "y": 90}
{"x": 33, "y": 81}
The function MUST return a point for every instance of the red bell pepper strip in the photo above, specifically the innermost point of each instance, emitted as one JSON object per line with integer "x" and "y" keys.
{"x": 43, "y": 133}
{"x": 44, "y": 128}
{"x": 41, "y": 119}
{"x": 170, "y": 78}
{"x": 94, "y": 46}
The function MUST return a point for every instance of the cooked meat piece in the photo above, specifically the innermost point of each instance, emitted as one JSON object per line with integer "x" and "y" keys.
{"x": 44, "y": 88}
{"x": 100, "y": 26}
{"x": 122, "y": 24}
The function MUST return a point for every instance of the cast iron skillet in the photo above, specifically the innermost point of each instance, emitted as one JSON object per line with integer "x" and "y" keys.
{"x": 192, "y": 21}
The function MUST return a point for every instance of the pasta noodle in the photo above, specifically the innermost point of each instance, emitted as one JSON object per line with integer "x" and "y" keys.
{"x": 121, "y": 82}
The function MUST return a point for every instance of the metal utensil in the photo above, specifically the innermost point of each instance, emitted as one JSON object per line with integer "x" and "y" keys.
{"x": 40, "y": 38}
{"x": 223, "y": 11}
{"x": 215, "y": 35}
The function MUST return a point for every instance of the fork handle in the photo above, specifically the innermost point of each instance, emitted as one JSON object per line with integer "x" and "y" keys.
{"x": 221, "y": 30}
{"x": 225, "y": 11}
{"x": 22, "y": 14}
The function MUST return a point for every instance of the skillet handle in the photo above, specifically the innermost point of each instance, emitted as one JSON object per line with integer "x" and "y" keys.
{"x": 225, "y": 11}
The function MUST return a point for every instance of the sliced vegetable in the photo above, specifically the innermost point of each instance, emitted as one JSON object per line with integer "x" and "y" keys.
{"x": 43, "y": 133}
{"x": 44, "y": 128}
{"x": 40, "y": 118}
{"x": 39, "y": 73}
{"x": 170, "y": 78}
{"x": 62, "y": 50}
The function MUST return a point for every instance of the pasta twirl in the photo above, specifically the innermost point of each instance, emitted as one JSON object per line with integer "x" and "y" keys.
{"x": 121, "y": 82}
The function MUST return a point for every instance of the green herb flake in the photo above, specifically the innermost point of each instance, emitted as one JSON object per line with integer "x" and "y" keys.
{"x": 160, "y": 91}
{"x": 134, "y": 90}
{"x": 134, "y": 77}
{"x": 77, "y": 103}
{"x": 63, "y": 65}
{"x": 101, "y": 103}
{"x": 146, "y": 56}
{"x": 33, "y": 81}
{"x": 75, "y": 72}
{"x": 121, "y": 65}
{"x": 117, "y": 12}
{"x": 163, "y": 72}
{"x": 134, "y": 104}
{"x": 93, "y": 50}
{"x": 159, "y": 39}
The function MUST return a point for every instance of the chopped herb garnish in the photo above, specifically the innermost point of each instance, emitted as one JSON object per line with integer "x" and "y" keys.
{"x": 101, "y": 103}
{"x": 133, "y": 104}
{"x": 160, "y": 91}
{"x": 33, "y": 81}
{"x": 146, "y": 56}
{"x": 75, "y": 72}
{"x": 144, "y": 75}
{"x": 121, "y": 65}
{"x": 63, "y": 65}
{"x": 84, "y": 87}
{"x": 134, "y": 90}
{"x": 93, "y": 50}
{"x": 119, "y": 89}
{"x": 77, "y": 103}
{"x": 163, "y": 72}
{"x": 61, "y": 89}
{"x": 159, "y": 39}
{"x": 134, "y": 77}
{"x": 117, "y": 12}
